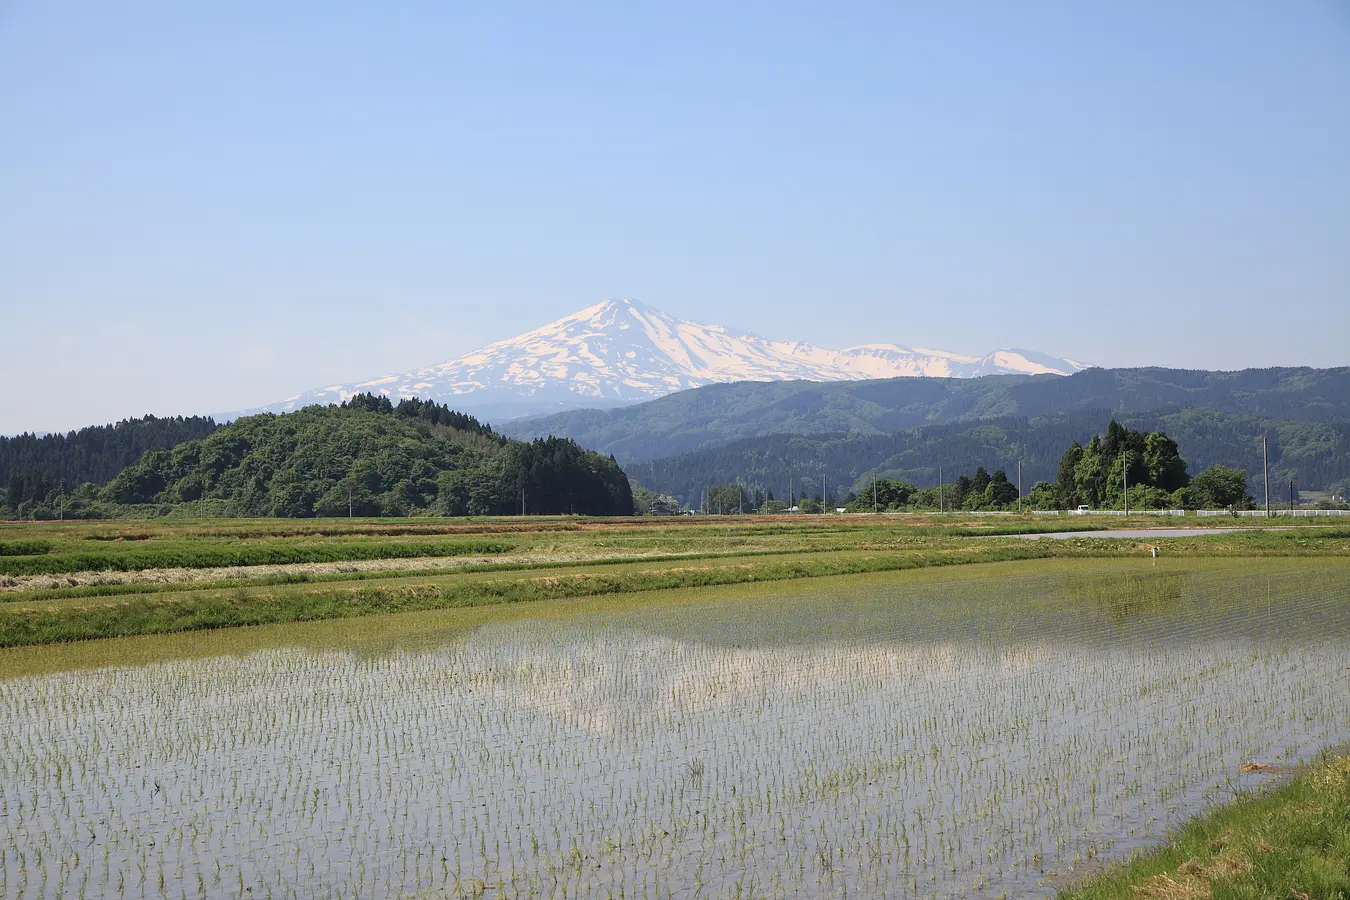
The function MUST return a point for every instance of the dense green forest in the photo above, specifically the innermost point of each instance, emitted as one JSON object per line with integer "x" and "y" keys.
{"x": 721, "y": 414}
{"x": 1313, "y": 455}
{"x": 98, "y": 453}
{"x": 365, "y": 457}
{"x": 1145, "y": 468}
{"x": 1150, "y": 464}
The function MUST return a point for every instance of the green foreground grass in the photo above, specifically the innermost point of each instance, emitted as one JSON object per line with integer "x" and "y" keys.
{"x": 1292, "y": 843}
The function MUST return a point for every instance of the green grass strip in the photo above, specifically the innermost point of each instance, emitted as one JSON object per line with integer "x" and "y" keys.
{"x": 27, "y": 624}
{"x": 209, "y": 557}
{"x": 1293, "y": 843}
{"x": 504, "y": 565}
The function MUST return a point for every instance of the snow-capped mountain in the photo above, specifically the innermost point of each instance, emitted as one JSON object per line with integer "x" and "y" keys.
{"x": 621, "y": 352}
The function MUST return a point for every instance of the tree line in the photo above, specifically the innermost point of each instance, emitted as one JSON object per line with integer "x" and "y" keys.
{"x": 1145, "y": 466}
{"x": 95, "y": 454}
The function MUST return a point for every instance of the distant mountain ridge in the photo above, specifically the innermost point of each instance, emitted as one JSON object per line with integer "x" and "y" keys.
{"x": 1314, "y": 455}
{"x": 621, "y": 352}
{"x": 720, "y": 414}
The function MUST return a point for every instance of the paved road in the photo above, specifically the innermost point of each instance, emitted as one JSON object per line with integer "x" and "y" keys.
{"x": 1138, "y": 533}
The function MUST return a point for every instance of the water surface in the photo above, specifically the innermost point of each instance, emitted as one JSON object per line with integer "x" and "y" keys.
{"x": 881, "y": 736}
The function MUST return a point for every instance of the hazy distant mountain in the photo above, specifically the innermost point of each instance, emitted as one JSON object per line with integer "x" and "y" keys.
{"x": 717, "y": 415}
{"x": 1314, "y": 455}
{"x": 621, "y": 352}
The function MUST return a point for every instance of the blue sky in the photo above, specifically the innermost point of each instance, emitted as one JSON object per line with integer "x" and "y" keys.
{"x": 207, "y": 207}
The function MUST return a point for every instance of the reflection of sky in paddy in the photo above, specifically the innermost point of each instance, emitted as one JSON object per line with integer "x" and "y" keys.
{"x": 933, "y": 740}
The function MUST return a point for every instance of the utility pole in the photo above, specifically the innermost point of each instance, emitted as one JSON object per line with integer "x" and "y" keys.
{"x": 349, "y": 501}
{"x": 1019, "y": 485}
{"x": 1291, "y": 496}
{"x": 522, "y": 501}
{"x": 874, "y": 494}
{"x": 1265, "y": 468}
{"x": 941, "y": 505}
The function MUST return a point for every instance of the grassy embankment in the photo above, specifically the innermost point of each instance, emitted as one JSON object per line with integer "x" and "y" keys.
{"x": 507, "y": 561}
{"x": 131, "y": 547}
{"x": 49, "y": 621}
{"x": 1292, "y": 843}
{"x": 51, "y": 549}
{"x": 186, "y": 554}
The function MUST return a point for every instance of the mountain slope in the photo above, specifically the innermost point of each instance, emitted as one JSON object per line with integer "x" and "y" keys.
{"x": 1315, "y": 455}
{"x": 621, "y": 352}
{"x": 717, "y": 415}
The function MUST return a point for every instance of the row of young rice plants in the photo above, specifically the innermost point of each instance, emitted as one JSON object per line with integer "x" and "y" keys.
{"x": 894, "y": 737}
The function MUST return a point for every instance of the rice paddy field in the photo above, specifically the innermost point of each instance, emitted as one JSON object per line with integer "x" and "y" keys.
{"x": 685, "y": 710}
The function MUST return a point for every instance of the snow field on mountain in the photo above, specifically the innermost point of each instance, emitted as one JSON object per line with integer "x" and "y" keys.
{"x": 621, "y": 351}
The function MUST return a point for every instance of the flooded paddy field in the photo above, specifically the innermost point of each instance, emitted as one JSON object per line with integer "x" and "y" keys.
{"x": 995, "y": 731}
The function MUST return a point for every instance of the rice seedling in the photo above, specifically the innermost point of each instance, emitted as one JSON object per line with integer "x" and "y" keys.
{"x": 896, "y": 736}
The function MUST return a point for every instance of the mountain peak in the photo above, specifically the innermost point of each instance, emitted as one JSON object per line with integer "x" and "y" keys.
{"x": 617, "y": 305}
{"x": 621, "y": 351}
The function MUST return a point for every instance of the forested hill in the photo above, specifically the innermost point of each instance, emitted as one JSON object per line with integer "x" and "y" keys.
{"x": 719, "y": 414}
{"x": 365, "y": 457}
{"x": 97, "y": 453}
{"x": 1315, "y": 455}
